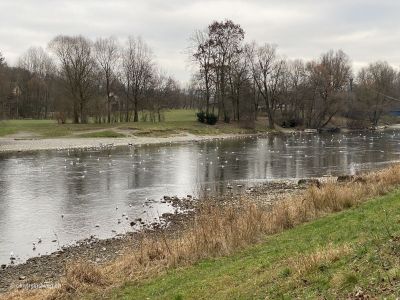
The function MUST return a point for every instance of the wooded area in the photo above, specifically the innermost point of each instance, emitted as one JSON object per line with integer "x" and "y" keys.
{"x": 84, "y": 81}
{"x": 240, "y": 80}
{"x": 104, "y": 80}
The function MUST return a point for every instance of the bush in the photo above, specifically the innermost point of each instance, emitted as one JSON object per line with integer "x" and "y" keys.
{"x": 290, "y": 123}
{"x": 208, "y": 118}
{"x": 201, "y": 116}
{"x": 211, "y": 119}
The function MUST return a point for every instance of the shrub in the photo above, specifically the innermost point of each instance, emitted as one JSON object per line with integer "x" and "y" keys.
{"x": 290, "y": 123}
{"x": 201, "y": 116}
{"x": 211, "y": 119}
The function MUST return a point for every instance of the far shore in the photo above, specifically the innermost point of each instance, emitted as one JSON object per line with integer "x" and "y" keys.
{"x": 26, "y": 141}
{"x": 10, "y": 144}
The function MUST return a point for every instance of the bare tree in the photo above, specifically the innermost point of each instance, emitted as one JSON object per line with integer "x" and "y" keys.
{"x": 226, "y": 39}
{"x": 4, "y": 87}
{"x": 267, "y": 70}
{"x": 107, "y": 55}
{"x": 77, "y": 69}
{"x": 37, "y": 61}
{"x": 294, "y": 91}
{"x": 160, "y": 93}
{"x": 2, "y": 60}
{"x": 137, "y": 68}
{"x": 238, "y": 78}
{"x": 329, "y": 79}
{"x": 376, "y": 85}
{"x": 202, "y": 52}
{"x": 41, "y": 70}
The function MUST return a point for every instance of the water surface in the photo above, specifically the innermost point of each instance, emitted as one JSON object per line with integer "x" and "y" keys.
{"x": 71, "y": 195}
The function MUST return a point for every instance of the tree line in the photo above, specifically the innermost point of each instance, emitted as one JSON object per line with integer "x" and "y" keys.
{"x": 238, "y": 80}
{"x": 79, "y": 79}
{"x": 234, "y": 81}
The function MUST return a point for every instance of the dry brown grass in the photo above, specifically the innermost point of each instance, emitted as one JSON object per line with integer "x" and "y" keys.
{"x": 221, "y": 229}
{"x": 302, "y": 264}
{"x": 80, "y": 278}
{"x": 27, "y": 294}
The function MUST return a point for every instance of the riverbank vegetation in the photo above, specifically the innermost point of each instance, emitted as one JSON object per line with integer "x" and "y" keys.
{"x": 339, "y": 255}
{"x": 349, "y": 255}
{"x": 236, "y": 81}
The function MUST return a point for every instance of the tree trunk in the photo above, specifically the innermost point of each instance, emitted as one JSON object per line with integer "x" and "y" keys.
{"x": 83, "y": 119}
{"x": 271, "y": 124}
{"x": 76, "y": 113}
{"x": 136, "y": 115}
{"x": 108, "y": 99}
{"x": 127, "y": 110}
{"x": 207, "y": 95}
{"x": 109, "y": 110}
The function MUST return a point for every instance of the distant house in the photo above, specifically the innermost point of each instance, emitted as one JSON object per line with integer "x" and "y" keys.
{"x": 9, "y": 103}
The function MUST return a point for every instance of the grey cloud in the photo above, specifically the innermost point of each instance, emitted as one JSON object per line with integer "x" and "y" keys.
{"x": 367, "y": 30}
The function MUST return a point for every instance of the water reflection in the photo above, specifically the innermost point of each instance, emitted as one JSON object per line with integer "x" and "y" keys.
{"x": 98, "y": 188}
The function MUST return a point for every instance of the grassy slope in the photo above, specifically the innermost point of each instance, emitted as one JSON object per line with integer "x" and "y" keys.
{"x": 176, "y": 121}
{"x": 271, "y": 270}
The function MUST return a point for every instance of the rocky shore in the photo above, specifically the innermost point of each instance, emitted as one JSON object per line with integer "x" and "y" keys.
{"x": 47, "y": 270}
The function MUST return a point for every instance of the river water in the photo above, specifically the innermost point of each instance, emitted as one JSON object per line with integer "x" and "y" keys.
{"x": 64, "y": 196}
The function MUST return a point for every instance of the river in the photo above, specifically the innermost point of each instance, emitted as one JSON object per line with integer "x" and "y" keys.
{"x": 64, "y": 196}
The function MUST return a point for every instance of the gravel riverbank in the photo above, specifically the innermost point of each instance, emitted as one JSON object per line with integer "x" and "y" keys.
{"x": 46, "y": 270}
{"x": 26, "y": 144}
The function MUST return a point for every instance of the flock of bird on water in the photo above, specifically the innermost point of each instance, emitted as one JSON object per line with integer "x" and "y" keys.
{"x": 221, "y": 160}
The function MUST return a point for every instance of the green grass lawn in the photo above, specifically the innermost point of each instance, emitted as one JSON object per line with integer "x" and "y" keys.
{"x": 46, "y": 128}
{"x": 176, "y": 121}
{"x": 296, "y": 264}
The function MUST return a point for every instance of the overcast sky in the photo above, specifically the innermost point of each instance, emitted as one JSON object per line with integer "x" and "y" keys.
{"x": 366, "y": 30}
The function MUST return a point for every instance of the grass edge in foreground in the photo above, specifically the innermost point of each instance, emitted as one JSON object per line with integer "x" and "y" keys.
{"x": 339, "y": 255}
{"x": 222, "y": 230}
